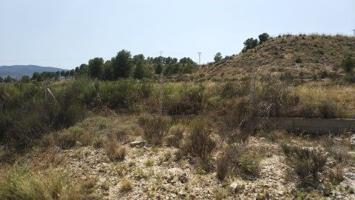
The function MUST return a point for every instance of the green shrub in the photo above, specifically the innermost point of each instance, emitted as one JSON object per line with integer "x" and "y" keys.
{"x": 183, "y": 100}
{"x": 155, "y": 127}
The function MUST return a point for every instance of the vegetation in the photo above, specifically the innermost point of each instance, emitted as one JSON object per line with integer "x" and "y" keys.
{"x": 155, "y": 128}
{"x": 22, "y": 184}
{"x": 307, "y": 163}
{"x": 218, "y": 124}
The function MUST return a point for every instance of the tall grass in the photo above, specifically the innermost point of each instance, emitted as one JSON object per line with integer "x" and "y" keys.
{"x": 23, "y": 184}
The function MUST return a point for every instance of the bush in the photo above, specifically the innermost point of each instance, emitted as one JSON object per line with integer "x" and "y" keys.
{"x": 68, "y": 138}
{"x": 126, "y": 186}
{"x": 249, "y": 165}
{"x": 113, "y": 150}
{"x": 240, "y": 160}
{"x": 175, "y": 134}
{"x": 222, "y": 166}
{"x": 199, "y": 142}
{"x": 65, "y": 140}
{"x": 154, "y": 127}
{"x": 306, "y": 162}
{"x": 183, "y": 100}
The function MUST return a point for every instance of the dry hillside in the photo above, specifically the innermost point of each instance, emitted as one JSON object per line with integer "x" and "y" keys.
{"x": 302, "y": 56}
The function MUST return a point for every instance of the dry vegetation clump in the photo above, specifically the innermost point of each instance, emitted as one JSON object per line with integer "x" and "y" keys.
{"x": 126, "y": 186}
{"x": 307, "y": 163}
{"x": 69, "y": 138}
{"x": 237, "y": 159}
{"x": 23, "y": 184}
{"x": 155, "y": 127}
{"x": 114, "y": 150}
{"x": 199, "y": 142}
{"x": 175, "y": 135}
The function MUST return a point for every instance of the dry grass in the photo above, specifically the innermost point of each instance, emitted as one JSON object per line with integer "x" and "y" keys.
{"x": 126, "y": 186}
{"x": 114, "y": 150}
{"x": 22, "y": 184}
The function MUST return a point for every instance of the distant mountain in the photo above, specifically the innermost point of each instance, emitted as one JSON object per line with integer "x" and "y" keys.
{"x": 17, "y": 71}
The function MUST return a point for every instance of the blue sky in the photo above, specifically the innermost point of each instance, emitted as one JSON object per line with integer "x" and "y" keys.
{"x": 66, "y": 33}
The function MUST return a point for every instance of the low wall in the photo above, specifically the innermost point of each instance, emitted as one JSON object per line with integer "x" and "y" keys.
{"x": 314, "y": 125}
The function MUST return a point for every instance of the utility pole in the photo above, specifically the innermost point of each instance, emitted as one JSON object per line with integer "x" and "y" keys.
{"x": 199, "y": 57}
{"x": 161, "y": 83}
{"x": 354, "y": 31}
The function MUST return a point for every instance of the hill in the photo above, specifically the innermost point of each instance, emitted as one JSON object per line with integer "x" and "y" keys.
{"x": 301, "y": 56}
{"x": 17, "y": 71}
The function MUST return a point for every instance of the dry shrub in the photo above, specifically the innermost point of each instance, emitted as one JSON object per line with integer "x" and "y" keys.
{"x": 199, "y": 142}
{"x": 222, "y": 166}
{"x": 114, "y": 150}
{"x": 70, "y": 137}
{"x": 65, "y": 140}
{"x": 306, "y": 162}
{"x": 175, "y": 134}
{"x": 274, "y": 99}
{"x": 238, "y": 159}
{"x": 154, "y": 127}
{"x": 336, "y": 175}
{"x": 126, "y": 186}
{"x": 236, "y": 113}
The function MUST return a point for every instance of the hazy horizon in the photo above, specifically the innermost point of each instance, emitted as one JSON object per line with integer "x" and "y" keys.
{"x": 67, "y": 33}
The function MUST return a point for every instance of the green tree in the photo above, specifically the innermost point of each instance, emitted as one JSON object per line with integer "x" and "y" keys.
{"x": 1, "y": 79}
{"x": 263, "y": 37}
{"x": 250, "y": 43}
{"x": 25, "y": 79}
{"x": 107, "y": 71}
{"x": 96, "y": 67}
{"x": 218, "y": 57}
{"x": 139, "y": 70}
{"x": 36, "y": 76}
{"x": 9, "y": 79}
{"x": 348, "y": 64}
{"x": 122, "y": 64}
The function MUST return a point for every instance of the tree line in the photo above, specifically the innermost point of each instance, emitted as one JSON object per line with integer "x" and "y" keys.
{"x": 124, "y": 65}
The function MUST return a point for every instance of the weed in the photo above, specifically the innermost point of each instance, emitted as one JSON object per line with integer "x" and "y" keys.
{"x": 154, "y": 127}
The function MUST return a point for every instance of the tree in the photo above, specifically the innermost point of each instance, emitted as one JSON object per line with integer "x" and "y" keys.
{"x": 122, "y": 64}
{"x": 158, "y": 68}
{"x": 348, "y": 64}
{"x": 218, "y": 57}
{"x": 36, "y": 76}
{"x": 250, "y": 43}
{"x": 96, "y": 67}
{"x": 263, "y": 37}
{"x": 1, "y": 80}
{"x": 139, "y": 63}
{"x": 107, "y": 71}
{"x": 9, "y": 79}
{"x": 139, "y": 71}
{"x": 25, "y": 79}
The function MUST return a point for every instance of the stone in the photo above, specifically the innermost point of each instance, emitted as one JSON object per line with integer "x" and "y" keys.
{"x": 137, "y": 143}
{"x": 236, "y": 186}
{"x": 183, "y": 178}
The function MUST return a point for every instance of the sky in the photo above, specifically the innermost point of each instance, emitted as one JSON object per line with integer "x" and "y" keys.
{"x": 67, "y": 33}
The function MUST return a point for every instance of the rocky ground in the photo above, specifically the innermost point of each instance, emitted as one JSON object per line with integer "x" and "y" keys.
{"x": 155, "y": 173}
